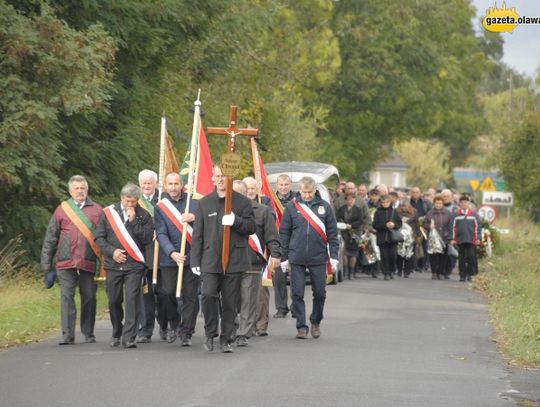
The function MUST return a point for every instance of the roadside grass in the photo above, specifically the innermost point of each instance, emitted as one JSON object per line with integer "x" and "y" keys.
{"x": 511, "y": 281}
{"x": 29, "y": 312}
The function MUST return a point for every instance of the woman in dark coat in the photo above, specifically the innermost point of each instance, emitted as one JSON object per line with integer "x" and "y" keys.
{"x": 405, "y": 255}
{"x": 386, "y": 219}
{"x": 351, "y": 216}
{"x": 439, "y": 218}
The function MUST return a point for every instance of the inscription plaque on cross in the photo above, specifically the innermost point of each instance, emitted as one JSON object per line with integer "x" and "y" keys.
{"x": 230, "y": 166}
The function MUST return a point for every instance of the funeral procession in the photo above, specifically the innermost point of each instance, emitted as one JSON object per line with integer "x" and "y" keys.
{"x": 244, "y": 203}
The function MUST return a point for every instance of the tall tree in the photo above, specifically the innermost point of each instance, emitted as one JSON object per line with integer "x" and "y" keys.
{"x": 48, "y": 72}
{"x": 408, "y": 70}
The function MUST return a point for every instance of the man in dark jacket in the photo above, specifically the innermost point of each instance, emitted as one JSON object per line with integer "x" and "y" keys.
{"x": 122, "y": 234}
{"x": 466, "y": 233}
{"x": 149, "y": 198}
{"x": 170, "y": 214}
{"x": 264, "y": 243}
{"x": 422, "y": 207}
{"x": 309, "y": 236}
{"x": 279, "y": 277}
{"x": 206, "y": 258}
{"x": 70, "y": 238}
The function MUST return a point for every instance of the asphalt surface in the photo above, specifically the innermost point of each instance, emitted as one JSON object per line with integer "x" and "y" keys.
{"x": 406, "y": 342}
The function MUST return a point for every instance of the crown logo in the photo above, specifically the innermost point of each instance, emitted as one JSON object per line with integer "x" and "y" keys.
{"x": 500, "y": 20}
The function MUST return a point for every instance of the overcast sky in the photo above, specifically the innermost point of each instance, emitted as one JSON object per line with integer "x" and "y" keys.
{"x": 522, "y": 47}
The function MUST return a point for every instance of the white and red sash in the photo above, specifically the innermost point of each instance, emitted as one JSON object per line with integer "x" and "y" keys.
{"x": 255, "y": 244}
{"x": 316, "y": 223}
{"x": 174, "y": 215}
{"x": 122, "y": 234}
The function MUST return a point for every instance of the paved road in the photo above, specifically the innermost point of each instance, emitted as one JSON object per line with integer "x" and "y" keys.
{"x": 407, "y": 342}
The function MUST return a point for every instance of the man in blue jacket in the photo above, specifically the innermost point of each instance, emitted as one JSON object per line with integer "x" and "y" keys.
{"x": 310, "y": 240}
{"x": 169, "y": 215}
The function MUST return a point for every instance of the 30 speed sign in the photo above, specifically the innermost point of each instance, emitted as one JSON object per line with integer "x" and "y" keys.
{"x": 487, "y": 212}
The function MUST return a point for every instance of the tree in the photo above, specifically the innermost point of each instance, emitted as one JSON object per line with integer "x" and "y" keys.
{"x": 48, "y": 72}
{"x": 408, "y": 70}
{"x": 519, "y": 162}
{"x": 428, "y": 162}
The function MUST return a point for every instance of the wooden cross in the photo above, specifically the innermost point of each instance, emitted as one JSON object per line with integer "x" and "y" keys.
{"x": 231, "y": 132}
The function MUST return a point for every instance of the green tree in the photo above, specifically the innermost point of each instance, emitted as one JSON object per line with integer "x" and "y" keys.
{"x": 428, "y": 162}
{"x": 409, "y": 69}
{"x": 518, "y": 160}
{"x": 48, "y": 72}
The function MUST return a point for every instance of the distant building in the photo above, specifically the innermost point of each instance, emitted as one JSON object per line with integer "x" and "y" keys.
{"x": 391, "y": 172}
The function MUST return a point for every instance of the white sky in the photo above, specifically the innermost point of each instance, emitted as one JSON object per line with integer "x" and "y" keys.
{"x": 522, "y": 46}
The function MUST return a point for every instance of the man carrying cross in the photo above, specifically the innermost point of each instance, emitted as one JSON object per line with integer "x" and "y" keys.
{"x": 206, "y": 255}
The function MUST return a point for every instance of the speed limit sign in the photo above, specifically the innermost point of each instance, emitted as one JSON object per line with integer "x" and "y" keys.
{"x": 487, "y": 212}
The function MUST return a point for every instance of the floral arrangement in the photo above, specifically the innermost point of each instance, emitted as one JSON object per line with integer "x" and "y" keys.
{"x": 489, "y": 241}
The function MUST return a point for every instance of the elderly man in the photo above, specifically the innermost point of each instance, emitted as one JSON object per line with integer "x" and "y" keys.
{"x": 70, "y": 238}
{"x": 309, "y": 236}
{"x": 362, "y": 191}
{"x": 123, "y": 232}
{"x": 206, "y": 248}
{"x": 422, "y": 207}
{"x": 448, "y": 202}
{"x": 170, "y": 215}
{"x": 265, "y": 241}
{"x": 279, "y": 277}
{"x": 150, "y": 195}
{"x": 466, "y": 234}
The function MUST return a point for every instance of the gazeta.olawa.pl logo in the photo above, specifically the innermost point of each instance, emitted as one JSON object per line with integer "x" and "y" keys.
{"x": 505, "y": 19}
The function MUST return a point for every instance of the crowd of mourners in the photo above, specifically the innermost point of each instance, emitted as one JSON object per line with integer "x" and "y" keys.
{"x": 396, "y": 232}
{"x": 165, "y": 256}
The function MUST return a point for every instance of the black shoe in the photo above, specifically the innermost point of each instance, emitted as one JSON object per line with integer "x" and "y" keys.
{"x": 171, "y": 335}
{"x": 163, "y": 334}
{"x": 130, "y": 344}
{"x": 469, "y": 278}
{"x": 209, "y": 344}
{"x": 67, "y": 341}
{"x": 90, "y": 339}
{"x": 115, "y": 342}
{"x": 446, "y": 277}
{"x": 186, "y": 341}
{"x": 280, "y": 314}
{"x": 241, "y": 341}
{"x": 143, "y": 339}
{"x": 462, "y": 279}
{"x": 261, "y": 333}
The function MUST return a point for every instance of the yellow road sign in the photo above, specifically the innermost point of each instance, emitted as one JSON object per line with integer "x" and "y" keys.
{"x": 474, "y": 183}
{"x": 487, "y": 185}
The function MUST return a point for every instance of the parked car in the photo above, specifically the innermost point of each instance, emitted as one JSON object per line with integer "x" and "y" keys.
{"x": 325, "y": 175}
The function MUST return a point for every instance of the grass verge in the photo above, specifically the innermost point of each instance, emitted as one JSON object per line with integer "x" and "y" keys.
{"x": 511, "y": 281}
{"x": 29, "y": 312}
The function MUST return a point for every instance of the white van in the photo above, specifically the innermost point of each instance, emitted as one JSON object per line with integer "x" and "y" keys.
{"x": 325, "y": 175}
